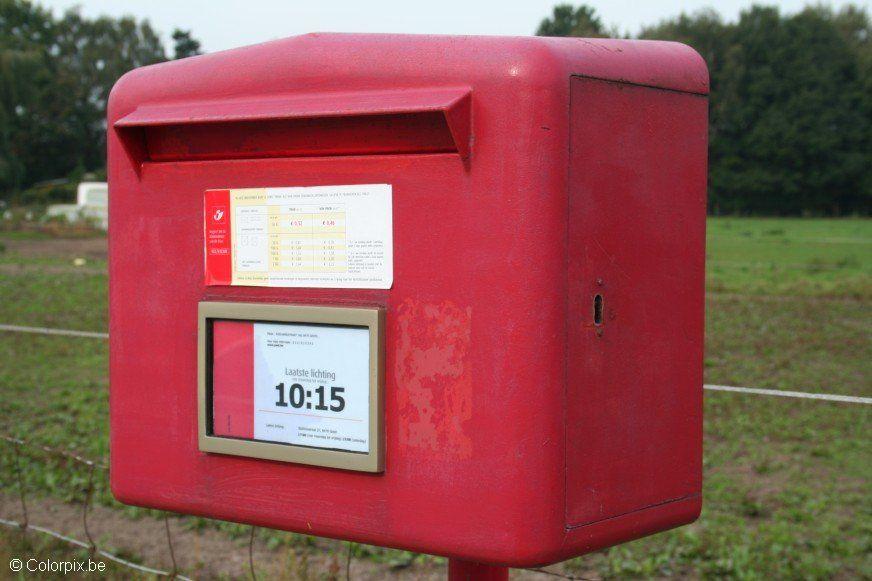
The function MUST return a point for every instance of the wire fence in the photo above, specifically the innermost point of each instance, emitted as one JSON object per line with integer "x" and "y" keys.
{"x": 89, "y": 543}
{"x": 93, "y": 468}
{"x": 805, "y": 394}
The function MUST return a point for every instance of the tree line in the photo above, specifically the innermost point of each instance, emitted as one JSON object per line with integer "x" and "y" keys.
{"x": 55, "y": 76}
{"x": 790, "y": 104}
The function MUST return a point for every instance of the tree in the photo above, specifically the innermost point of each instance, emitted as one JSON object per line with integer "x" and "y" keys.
{"x": 26, "y": 94}
{"x": 55, "y": 78}
{"x": 855, "y": 26}
{"x": 87, "y": 57}
{"x": 791, "y": 129}
{"x": 184, "y": 44}
{"x": 790, "y": 104}
{"x": 569, "y": 21}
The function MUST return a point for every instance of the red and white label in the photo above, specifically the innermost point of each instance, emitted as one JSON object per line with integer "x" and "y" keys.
{"x": 219, "y": 265}
{"x": 319, "y": 236}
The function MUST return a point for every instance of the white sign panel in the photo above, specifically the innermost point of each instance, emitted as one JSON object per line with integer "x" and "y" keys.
{"x": 311, "y": 385}
{"x": 321, "y": 236}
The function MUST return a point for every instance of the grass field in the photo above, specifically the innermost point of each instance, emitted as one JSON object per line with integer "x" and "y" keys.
{"x": 787, "y": 482}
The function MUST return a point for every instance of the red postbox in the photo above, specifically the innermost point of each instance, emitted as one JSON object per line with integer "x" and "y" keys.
{"x": 443, "y": 294}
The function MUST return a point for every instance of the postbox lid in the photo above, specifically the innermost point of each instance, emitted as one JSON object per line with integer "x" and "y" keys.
{"x": 329, "y": 62}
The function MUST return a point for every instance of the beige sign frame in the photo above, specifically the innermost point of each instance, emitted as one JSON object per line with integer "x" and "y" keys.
{"x": 372, "y": 318}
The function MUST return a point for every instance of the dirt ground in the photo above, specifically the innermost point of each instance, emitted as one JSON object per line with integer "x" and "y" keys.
{"x": 87, "y": 248}
{"x": 212, "y": 554}
{"x": 92, "y": 250}
{"x": 207, "y": 554}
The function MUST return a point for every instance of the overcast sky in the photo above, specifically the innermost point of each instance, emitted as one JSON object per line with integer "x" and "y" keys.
{"x": 222, "y": 24}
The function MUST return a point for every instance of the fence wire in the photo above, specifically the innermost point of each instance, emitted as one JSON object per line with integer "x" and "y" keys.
{"x": 92, "y": 466}
{"x": 90, "y": 543}
{"x": 808, "y": 394}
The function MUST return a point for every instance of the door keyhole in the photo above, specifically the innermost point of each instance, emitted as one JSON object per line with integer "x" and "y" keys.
{"x": 598, "y": 310}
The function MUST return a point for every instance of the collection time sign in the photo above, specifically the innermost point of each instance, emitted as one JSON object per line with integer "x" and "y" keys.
{"x": 311, "y": 385}
{"x": 292, "y": 383}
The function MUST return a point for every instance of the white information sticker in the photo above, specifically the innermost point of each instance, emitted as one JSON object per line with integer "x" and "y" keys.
{"x": 317, "y": 237}
{"x": 311, "y": 385}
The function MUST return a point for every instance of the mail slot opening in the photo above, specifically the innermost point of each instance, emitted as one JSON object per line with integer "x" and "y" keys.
{"x": 421, "y": 132}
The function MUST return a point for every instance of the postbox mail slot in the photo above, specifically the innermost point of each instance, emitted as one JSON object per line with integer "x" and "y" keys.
{"x": 408, "y": 133}
{"x": 364, "y": 123}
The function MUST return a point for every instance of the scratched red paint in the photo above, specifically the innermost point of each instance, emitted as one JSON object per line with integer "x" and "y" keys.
{"x": 432, "y": 352}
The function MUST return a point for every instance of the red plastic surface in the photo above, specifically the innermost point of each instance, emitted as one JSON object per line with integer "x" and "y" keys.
{"x": 490, "y": 356}
{"x": 233, "y": 379}
{"x": 467, "y": 571}
{"x": 429, "y": 120}
{"x": 635, "y": 151}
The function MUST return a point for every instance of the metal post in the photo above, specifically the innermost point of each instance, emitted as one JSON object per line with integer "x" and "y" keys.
{"x": 469, "y": 571}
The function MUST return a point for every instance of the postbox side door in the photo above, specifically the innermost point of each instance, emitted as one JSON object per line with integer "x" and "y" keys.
{"x": 636, "y": 300}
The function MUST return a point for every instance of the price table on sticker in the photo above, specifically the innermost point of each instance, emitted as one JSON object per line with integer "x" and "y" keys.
{"x": 319, "y": 236}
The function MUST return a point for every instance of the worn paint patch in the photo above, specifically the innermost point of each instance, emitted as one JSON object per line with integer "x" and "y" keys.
{"x": 434, "y": 385}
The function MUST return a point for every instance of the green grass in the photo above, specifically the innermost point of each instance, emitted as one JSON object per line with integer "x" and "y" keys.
{"x": 792, "y": 343}
{"x": 787, "y": 482}
{"x": 785, "y": 496}
{"x": 790, "y": 256}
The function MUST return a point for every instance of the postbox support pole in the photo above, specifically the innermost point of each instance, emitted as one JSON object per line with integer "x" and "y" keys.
{"x": 470, "y": 571}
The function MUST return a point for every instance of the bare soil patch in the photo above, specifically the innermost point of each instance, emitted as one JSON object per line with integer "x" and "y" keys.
{"x": 88, "y": 248}
{"x": 202, "y": 554}
{"x": 212, "y": 554}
